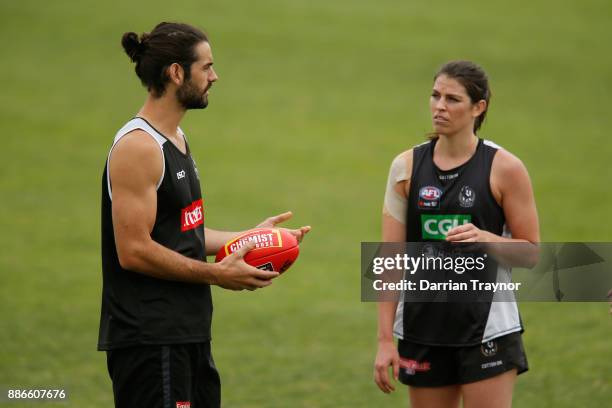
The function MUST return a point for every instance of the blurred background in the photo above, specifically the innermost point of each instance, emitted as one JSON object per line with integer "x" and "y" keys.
{"x": 315, "y": 98}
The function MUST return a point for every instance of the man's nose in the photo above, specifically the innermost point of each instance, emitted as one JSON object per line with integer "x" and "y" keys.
{"x": 213, "y": 75}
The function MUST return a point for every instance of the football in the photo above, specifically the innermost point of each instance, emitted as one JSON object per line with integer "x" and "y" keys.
{"x": 275, "y": 249}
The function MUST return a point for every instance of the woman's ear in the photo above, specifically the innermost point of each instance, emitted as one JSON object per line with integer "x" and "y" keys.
{"x": 478, "y": 108}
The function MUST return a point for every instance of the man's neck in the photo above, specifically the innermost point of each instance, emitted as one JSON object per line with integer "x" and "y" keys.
{"x": 164, "y": 113}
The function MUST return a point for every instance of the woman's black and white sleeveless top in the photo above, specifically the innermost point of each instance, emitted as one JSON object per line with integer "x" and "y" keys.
{"x": 439, "y": 200}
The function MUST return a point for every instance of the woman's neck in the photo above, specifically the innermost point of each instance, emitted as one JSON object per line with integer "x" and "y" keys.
{"x": 452, "y": 151}
{"x": 457, "y": 146}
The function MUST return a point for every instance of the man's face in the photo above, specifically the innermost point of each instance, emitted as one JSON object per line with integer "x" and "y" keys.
{"x": 193, "y": 93}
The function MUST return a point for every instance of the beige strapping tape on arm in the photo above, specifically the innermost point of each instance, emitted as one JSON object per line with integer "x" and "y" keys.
{"x": 395, "y": 204}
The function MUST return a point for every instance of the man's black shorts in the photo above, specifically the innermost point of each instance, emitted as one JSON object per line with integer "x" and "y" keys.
{"x": 170, "y": 376}
{"x": 437, "y": 366}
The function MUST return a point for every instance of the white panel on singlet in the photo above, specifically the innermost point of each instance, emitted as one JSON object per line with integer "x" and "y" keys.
{"x": 490, "y": 143}
{"x": 503, "y": 316}
{"x": 398, "y": 324}
{"x": 132, "y": 125}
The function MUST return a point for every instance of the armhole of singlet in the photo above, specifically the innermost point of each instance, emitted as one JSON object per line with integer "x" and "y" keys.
{"x": 416, "y": 162}
{"x": 398, "y": 320}
{"x": 160, "y": 142}
{"x": 182, "y": 134}
{"x": 187, "y": 149}
{"x": 497, "y": 149}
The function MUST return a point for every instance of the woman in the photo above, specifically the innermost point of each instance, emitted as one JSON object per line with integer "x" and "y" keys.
{"x": 443, "y": 354}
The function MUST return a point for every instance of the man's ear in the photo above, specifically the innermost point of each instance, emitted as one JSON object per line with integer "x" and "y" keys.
{"x": 176, "y": 74}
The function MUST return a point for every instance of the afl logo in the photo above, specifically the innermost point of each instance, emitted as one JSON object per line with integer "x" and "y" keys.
{"x": 488, "y": 349}
{"x": 430, "y": 193}
{"x": 467, "y": 196}
{"x": 429, "y": 198}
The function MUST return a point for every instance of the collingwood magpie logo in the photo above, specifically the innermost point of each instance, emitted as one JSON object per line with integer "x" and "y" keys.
{"x": 467, "y": 196}
{"x": 488, "y": 349}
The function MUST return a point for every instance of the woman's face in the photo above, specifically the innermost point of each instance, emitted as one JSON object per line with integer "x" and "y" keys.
{"x": 452, "y": 110}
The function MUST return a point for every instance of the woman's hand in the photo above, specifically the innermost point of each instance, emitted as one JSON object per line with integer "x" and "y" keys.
{"x": 386, "y": 356}
{"x": 469, "y": 233}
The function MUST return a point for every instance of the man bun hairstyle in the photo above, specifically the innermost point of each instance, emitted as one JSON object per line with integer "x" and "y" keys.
{"x": 474, "y": 80}
{"x": 154, "y": 52}
{"x": 132, "y": 46}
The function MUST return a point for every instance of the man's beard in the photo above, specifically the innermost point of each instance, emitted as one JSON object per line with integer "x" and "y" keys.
{"x": 190, "y": 97}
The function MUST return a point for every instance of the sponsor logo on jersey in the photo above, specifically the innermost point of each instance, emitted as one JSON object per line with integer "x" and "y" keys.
{"x": 183, "y": 404}
{"x": 192, "y": 216}
{"x": 467, "y": 196}
{"x": 448, "y": 176}
{"x": 491, "y": 364}
{"x": 429, "y": 197}
{"x": 411, "y": 367}
{"x": 180, "y": 174}
{"x": 488, "y": 349}
{"x": 437, "y": 226}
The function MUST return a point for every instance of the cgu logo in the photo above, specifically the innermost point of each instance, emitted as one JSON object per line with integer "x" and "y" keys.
{"x": 437, "y": 226}
{"x": 192, "y": 216}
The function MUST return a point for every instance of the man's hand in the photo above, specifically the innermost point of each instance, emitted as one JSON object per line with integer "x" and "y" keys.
{"x": 235, "y": 274}
{"x": 271, "y": 222}
{"x": 387, "y": 356}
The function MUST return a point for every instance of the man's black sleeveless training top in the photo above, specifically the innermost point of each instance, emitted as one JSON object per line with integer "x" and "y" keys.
{"x": 138, "y": 309}
{"x": 439, "y": 200}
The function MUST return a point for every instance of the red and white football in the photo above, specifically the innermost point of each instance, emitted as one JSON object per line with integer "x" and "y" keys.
{"x": 275, "y": 249}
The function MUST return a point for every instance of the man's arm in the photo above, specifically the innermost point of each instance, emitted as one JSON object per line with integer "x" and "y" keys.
{"x": 135, "y": 168}
{"x": 215, "y": 239}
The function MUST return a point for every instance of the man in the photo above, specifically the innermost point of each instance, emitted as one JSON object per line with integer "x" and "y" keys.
{"x": 156, "y": 300}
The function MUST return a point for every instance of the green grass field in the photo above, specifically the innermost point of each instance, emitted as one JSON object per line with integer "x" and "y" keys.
{"x": 314, "y": 100}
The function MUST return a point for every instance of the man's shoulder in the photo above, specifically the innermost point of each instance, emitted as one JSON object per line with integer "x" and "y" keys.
{"x": 136, "y": 156}
{"x": 137, "y": 142}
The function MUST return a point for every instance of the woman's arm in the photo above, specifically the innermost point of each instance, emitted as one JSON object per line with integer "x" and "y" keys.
{"x": 393, "y": 230}
{"x": 511, "y": 187}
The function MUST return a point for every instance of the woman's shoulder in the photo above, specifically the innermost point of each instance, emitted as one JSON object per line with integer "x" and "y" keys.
{"x": 402, "y": 157}
{"x": 407, "y": 155}
{"x": 401, "y": 166}
{"x": 504, "y": 158}
{"x": 506, "y": 165}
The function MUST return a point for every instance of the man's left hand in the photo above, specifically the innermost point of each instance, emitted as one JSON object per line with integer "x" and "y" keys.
{"x": 271, "y": 222}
